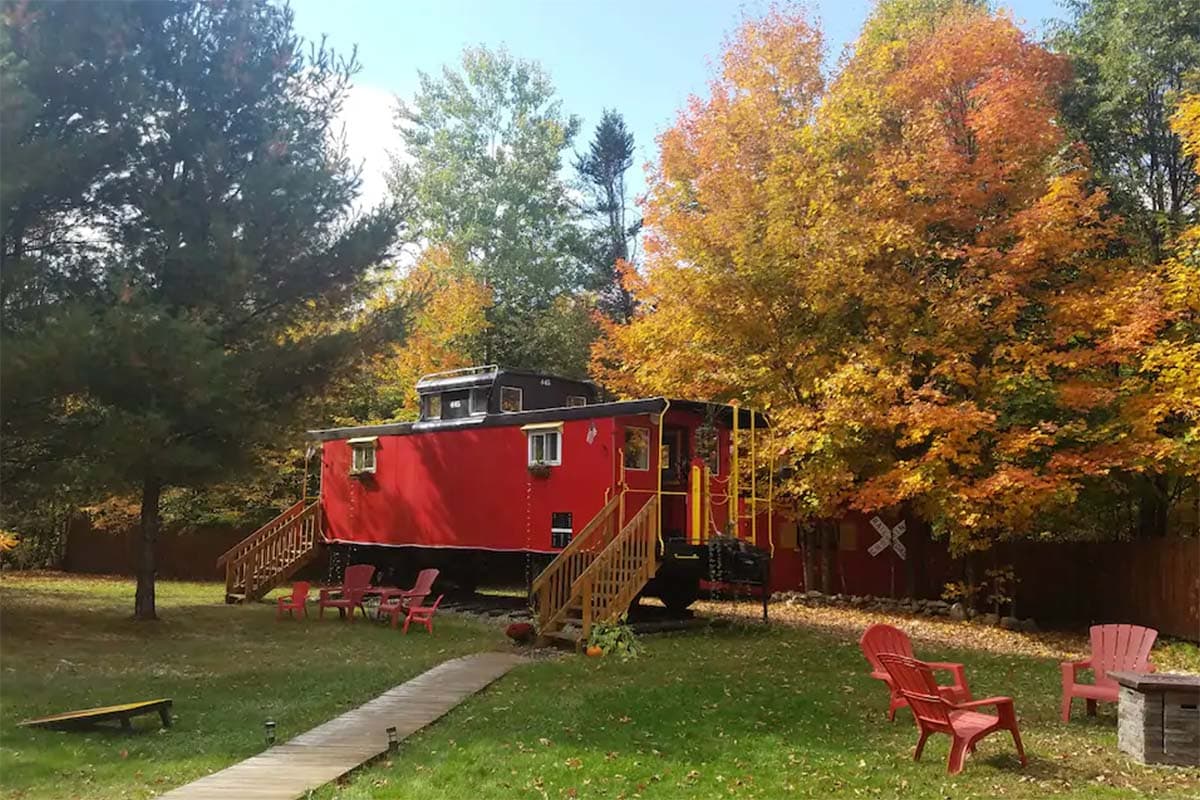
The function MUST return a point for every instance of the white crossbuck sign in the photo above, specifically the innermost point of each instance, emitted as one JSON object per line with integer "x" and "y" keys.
{"x": 888, "y": 537}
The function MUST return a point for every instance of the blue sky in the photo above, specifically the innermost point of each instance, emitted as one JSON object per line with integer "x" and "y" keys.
{"x": 642, "y": 57}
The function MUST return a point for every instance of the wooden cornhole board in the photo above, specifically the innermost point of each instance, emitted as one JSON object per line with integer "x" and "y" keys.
{"x": 87, "y": 717}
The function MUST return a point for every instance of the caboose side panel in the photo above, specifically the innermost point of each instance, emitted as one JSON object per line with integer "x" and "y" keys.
{"x": 470, "y": 488}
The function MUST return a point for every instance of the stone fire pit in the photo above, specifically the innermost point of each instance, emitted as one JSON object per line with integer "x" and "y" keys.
{"x": 1158, "y": 719}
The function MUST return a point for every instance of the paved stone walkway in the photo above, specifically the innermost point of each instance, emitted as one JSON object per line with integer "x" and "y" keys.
{"x": 328, "y": 751}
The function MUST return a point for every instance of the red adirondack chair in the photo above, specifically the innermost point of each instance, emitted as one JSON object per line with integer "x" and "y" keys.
{"x": 1114, "y": 648}
{"x": 422, "y": 615}
{"x": 935, "y": 714}
{"x": 297, "y": 602}
{"x": 398, "y": 602}
{"x": 879, "y": 639}
{"x": 355, "y": 582}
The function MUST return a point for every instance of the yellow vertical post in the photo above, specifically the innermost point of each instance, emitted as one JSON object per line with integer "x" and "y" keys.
{"x": 771, "y": 490}
{"x": 694, "y": 533}
{"x": 753, "y": 483}
{"x": 706, "y": 498}
{"x": 658, "y": 458}
{"x": 732, "y": 498}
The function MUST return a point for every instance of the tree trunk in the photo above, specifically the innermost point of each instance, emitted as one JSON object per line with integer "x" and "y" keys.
{"x": 143, "y": 603}
{"x": 1153, "y": 507}
{"x": 829, "y": 543}
{"x": 810, "y": 557}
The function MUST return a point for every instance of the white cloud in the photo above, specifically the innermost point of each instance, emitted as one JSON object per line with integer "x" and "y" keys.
{"x": 368, "y": 121}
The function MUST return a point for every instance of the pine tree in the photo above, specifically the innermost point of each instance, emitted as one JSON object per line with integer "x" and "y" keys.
{"x": 221, "y": 257}
{"x": 602, "y": 170}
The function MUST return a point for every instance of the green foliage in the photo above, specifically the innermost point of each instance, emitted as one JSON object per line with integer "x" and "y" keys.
{"x": 483, "y": 148}
{"x": 615, "y": 639}
{"x": 214, "y": 264}
{"x": 1133, "y": 60}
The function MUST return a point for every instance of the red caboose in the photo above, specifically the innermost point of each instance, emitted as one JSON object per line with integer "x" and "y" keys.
{"x": 601, "y": 500}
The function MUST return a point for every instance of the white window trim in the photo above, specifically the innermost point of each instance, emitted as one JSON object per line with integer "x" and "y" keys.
{"x": 580, "y": 397}
{"x": 648, "y": 446}
{"x": 537, "y": 433}
{"x": 364, "y": 444}
{"x": 520, "y": 399}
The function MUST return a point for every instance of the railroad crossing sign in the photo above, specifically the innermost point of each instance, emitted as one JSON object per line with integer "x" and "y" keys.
{"x": 888, "y": 537}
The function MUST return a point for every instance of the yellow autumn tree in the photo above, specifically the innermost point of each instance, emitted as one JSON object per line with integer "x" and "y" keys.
{"x": 907, "y": 270}
{"x": 1170, "y": 372}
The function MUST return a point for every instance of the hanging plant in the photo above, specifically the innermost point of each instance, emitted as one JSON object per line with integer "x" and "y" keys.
{"x": 539, "y": 470}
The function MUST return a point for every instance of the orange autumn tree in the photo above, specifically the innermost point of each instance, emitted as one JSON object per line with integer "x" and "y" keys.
{"x": 444, "y": 332}
{"x": 906, "y": 270}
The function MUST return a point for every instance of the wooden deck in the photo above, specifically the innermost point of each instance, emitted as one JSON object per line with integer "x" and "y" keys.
{"x": 326, "y": 752}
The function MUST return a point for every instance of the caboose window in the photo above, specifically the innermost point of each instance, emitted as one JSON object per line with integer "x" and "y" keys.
{"x": 561, "y": 529}
{"x": 433, "y": 406}
{"x": 574, "y": 400}
{"x": 478, "y": 401}
{"x": 637, "y": 448}
{"x": 362, "y": 455}
{"x": 510, "y": 399}
{"x": 545, "y": 448}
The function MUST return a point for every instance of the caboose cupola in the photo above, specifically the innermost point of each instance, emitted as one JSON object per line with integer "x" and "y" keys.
{"x": 479, "y": 391}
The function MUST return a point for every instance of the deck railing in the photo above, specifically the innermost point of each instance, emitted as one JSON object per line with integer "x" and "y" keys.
{"x": 245, "y": 545}
{"x": 552, "y": 588}
{"x": 610, "y": 583}
{"x": 274, "y": 552}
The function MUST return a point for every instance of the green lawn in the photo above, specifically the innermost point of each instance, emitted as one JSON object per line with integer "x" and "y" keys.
{"x": 749, "y": 712}
{"x": 68, "y": 642}
{"x": 785, "y": 711}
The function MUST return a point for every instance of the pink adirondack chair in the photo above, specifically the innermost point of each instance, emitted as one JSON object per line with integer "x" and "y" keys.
{"x": 355, "y": 582}
{"x": 935, "y": 714}
{"x": 398, "y": 603}
{"x": 879, "y": 639}
{"x": 297, "y": 602}
{"x": 1114, "y": 648}
{"x": 422, "y": 614}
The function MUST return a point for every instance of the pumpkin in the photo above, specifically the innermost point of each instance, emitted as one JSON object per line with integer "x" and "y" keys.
{"x": 594, "y": 651}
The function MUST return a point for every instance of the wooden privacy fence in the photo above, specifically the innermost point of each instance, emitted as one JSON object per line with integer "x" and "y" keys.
{"x": 1152, "y": 582}
{"x": 181, "y": 556}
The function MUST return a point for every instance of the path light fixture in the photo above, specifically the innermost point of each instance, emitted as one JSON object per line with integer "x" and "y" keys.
{"x": 269, "y": 727}
{"x": 393, "y": 739}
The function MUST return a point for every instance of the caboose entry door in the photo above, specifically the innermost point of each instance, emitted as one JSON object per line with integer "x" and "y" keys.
{"x": 674, "y": 461}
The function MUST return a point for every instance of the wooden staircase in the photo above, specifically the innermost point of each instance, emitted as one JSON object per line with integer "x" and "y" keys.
{"x": 597, "y": 576}
{"x": 273, "y": 553}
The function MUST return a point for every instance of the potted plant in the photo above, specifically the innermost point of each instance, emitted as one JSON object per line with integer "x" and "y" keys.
{"x": 539, "y": 470}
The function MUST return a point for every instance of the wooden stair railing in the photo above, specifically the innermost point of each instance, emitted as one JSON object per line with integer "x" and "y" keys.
{"x": 273, "y": 553}
{"x": 242, "y": 547}
{"x": 551, "y": 589}
{"x": 611, "y": 582}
